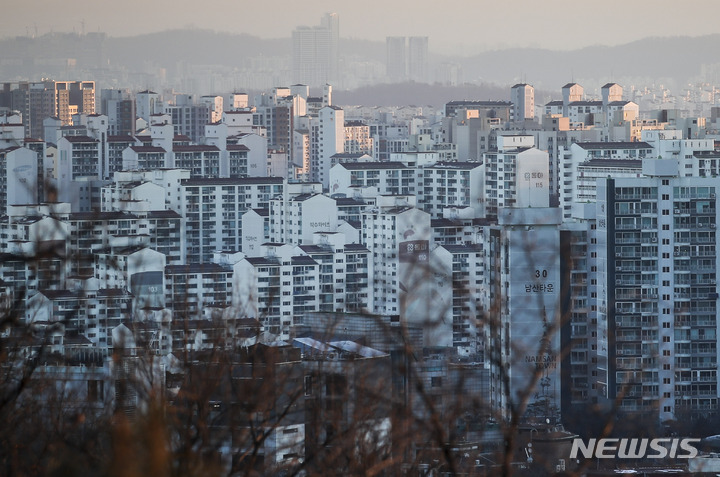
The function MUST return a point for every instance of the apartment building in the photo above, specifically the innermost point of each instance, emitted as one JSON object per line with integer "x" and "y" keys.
{"x": 200, "y": 160}
{"x": 517, "y": 175}
{"x": 343, "y": 273}
{"x": 38, "y": 100}
{"x": 450, "y": 184}
{"x": 586, "y": 162}
{"x": 213, "y": 210}
{"x": 296, "y": 219}
{"x": 459, "y": 275}
{"x": 89, "y": 313}
{"x": 280, "y": 284}
{"x": 657, "y": 293}
{"x": 523, "y": 308}
{"x": 192, "y": 290}
{"x": 398, "y": 238}
{"x": 385, "y": 177}
{"x": 18, "y": 177}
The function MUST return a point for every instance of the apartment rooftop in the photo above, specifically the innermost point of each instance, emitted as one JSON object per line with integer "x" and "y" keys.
{"x": 210, "y": 181}
{"x": 146, "y": 149}
{"x": 195, "y": 148}
{"x": 455, "y": 165}
{"x": 348, "y": 201}
{"x": 80, "y": 139}
{"x": 465, "y": 248}
{"x": 614, "y": 145}
{"x": 237, "y": 147}
{"x": 614, "y": 163}
{"x": 362, "y": 166}
{"x": 195, "y": 268}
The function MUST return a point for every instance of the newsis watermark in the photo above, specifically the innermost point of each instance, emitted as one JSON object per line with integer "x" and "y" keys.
{"x": 634, "y": 448}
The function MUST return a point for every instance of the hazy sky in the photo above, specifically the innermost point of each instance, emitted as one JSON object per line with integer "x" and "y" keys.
{"x": 459, "y": 26}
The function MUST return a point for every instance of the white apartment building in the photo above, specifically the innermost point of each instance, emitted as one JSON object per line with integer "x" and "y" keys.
{"x": 517, "y": 175}
{"x": 522, "y": 97}
{"x": 459, "y": 276}
{"x": 191, "y": 290}
{"x": 138, "y": 270}
{"x": 275, "y": 287}
{"x": 213, "y": 210}
{"x": 398, "y": 238}
{"x": 657, "y": 291}
{"x": 147, "y": 103}
{"x": 18, "y": 177}
{"x": 695, "y": 156}
{"x": 255, "y": 230}
{"x": 392, "y": 178}
{"x": 343, "y": 272}
{"x": 522, "y": 325}
{"x": 257, "y": 152}
{"x": 450, "y": 184}
{"x": 585, "y": 162}
{"x": 296, "y": 219}
{"x": 169, "y": 180}
{"x": 328, "y": 136}
{"x": 200, "y": 160}
{"x": 143, "y": 158}
{"x": 357, "y": 138}
{"x": 28, "y": 233}
{"x": 90, "y": 313}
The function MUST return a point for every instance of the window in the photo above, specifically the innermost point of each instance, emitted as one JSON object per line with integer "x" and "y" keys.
{"x": 308, "y": 385}
{"x": 436, "y": 381}
{"x": 666, "y": 380}
{"x": 666, "y": 339}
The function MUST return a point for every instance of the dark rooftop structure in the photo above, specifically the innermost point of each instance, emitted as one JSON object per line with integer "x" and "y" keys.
{"x": 361, "y": 166}
{"x": 204, "y": 181}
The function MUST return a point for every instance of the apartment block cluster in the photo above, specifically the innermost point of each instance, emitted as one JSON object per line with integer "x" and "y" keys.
{"x": 575, "y": 240}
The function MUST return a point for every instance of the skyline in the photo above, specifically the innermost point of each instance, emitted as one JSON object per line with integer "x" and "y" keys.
{"x": 451, "y": 30}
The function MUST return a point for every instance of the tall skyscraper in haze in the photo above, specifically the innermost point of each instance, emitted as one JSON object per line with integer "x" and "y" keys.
{"x": 418, "y": 69}
{"x": 316, "y": 53}
{"x": 407, "y": 58}
{"x": 396, "y": 58}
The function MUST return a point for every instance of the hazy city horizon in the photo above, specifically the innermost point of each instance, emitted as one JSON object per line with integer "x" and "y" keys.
{"x": 461, "y": 28}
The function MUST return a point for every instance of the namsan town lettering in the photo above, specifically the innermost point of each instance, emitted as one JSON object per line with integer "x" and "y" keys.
{"x": 627, "y": 448}
{"x": 546, "y": 358}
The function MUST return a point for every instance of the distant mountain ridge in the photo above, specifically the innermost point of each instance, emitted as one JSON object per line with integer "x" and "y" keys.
{"x": 680, "y": 59}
